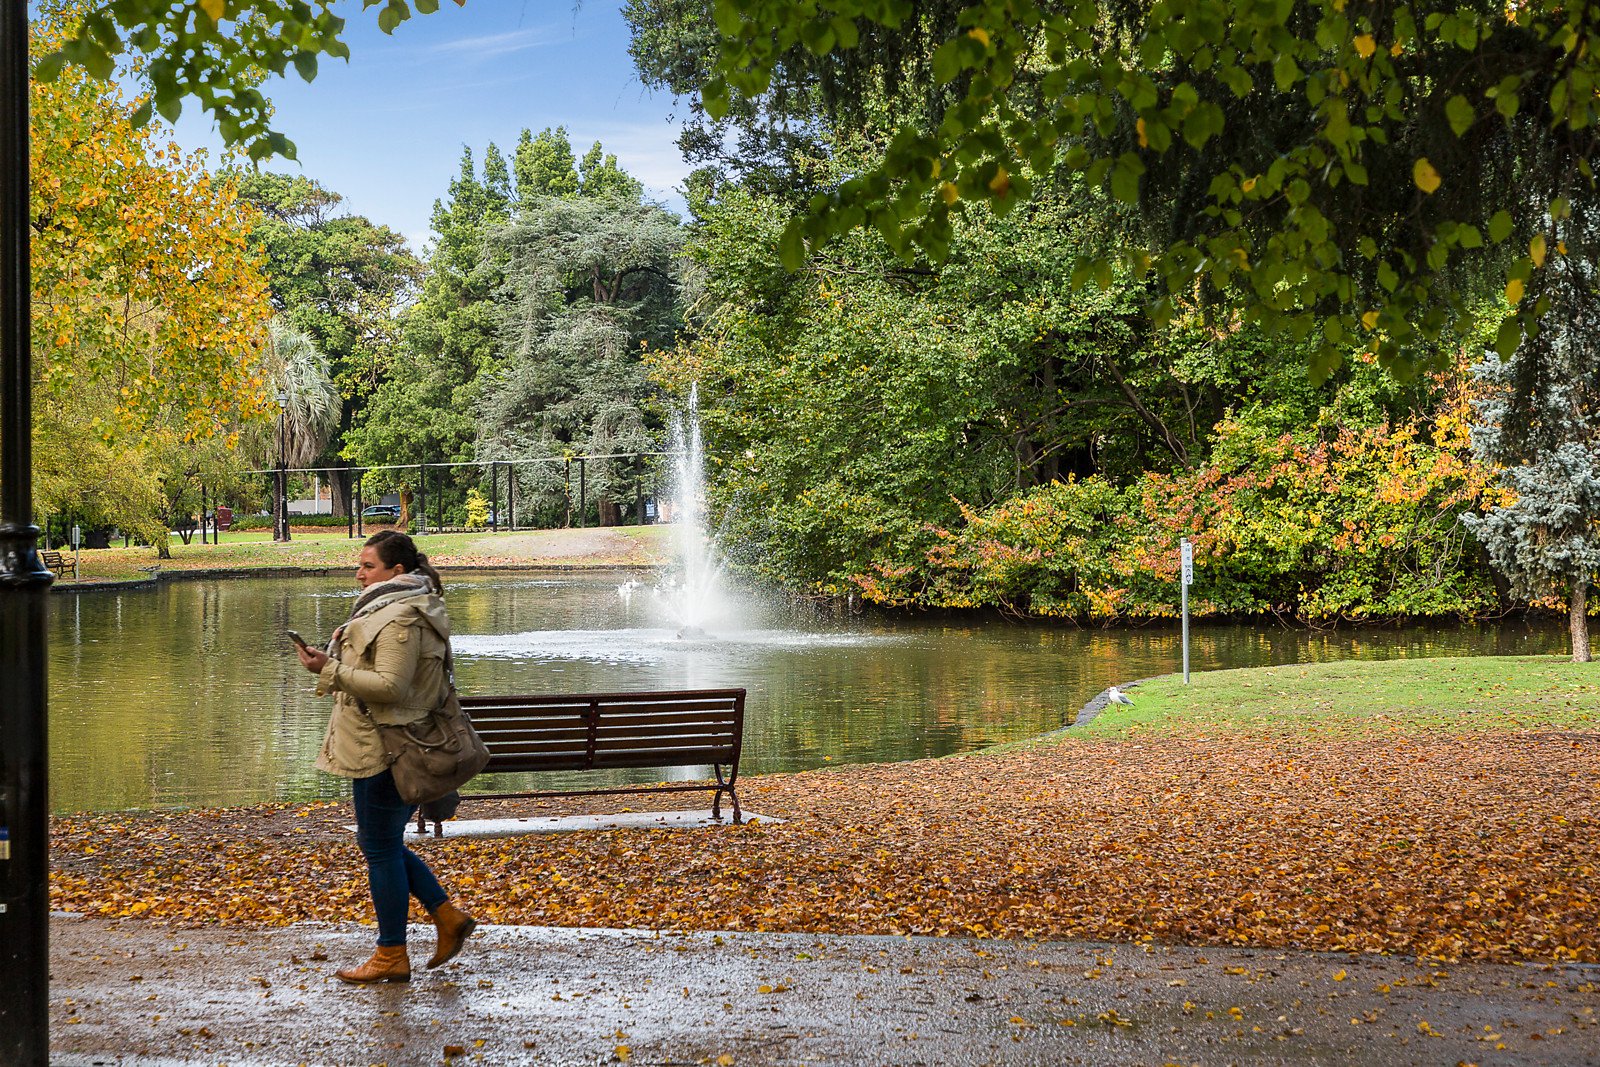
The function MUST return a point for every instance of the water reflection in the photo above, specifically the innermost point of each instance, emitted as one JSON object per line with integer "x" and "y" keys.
{"x": 187, "y": 694}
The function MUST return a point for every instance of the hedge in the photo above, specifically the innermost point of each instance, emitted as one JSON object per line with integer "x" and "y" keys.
{"x": 264, "y": 522}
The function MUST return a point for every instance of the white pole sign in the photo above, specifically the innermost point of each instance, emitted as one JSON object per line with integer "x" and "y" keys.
{"x": 1187, "y": 555}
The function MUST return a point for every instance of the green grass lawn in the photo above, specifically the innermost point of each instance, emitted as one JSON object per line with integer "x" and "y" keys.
{"x": 620, "y": 546}
{"x": 1458, "y": 694}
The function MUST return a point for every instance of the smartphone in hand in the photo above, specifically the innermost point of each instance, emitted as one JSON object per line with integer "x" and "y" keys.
{"x": 297, "y": 639}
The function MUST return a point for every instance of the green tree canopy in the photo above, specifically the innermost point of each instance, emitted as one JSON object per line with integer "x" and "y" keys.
{"x": 547, "y": 290}
{"x": 858, "y": 400}
{"x": 602, "y": 177}
{"x": 1351, "y": 176}
{"x": 591, "y": 283}
{"x": 545, "y": 165}
{"x": 338, "y": 278}
{"x": 422, "y": 410}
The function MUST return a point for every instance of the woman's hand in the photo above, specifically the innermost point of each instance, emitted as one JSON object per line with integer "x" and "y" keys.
{"x": 312, "y": 659}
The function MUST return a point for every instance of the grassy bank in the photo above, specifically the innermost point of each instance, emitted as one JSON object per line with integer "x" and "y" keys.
{"x": 1465, "y": 694}
{"x": 315, "y": 549}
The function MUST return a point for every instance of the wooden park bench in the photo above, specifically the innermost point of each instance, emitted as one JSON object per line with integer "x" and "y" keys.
{"x": 611, "y": 731}
{"x": 58, "y": 562}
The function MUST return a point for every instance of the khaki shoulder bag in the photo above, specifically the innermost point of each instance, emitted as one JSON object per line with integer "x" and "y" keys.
{"x": 433, "y": 757}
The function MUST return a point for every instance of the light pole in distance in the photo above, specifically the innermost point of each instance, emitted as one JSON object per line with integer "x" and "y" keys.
{"x": 280, "y": 525}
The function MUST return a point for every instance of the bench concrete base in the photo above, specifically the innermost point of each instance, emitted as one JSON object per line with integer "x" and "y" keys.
{"x": 559, "y": 824}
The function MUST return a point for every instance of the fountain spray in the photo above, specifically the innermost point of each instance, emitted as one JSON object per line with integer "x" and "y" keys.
{"x": 693, "y": 596}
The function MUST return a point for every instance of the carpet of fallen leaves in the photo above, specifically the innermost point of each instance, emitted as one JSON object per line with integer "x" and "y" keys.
{"x": 1447, "y": 847}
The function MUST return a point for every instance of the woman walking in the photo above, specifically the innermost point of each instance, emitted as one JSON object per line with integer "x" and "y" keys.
{"x": 387, "y": 665}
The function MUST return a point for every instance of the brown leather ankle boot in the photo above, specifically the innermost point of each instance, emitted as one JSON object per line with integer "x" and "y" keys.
{"x": 453, "y": 925}
{"x": 389, "y": 963}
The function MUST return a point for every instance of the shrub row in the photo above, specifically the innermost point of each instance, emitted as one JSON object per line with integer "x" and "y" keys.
{"x": 1347, "y": 525}
{"x": 264, "y": 522}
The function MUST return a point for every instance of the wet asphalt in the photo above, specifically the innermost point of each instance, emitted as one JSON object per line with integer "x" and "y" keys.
{"x": 131, "y": 992}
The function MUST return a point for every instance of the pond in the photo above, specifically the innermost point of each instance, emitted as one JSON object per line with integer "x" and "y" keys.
{"x": 186, "y": 694}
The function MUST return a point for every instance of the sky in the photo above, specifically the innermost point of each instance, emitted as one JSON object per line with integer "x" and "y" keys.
{"x": 386, "y": 129}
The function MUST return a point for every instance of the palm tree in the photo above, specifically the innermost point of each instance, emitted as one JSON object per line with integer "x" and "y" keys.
{"x": 300, "y": 372}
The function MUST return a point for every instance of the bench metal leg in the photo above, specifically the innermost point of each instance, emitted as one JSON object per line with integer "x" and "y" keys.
{"x": 725, "y": 785}
{"x": 422, "y": 823}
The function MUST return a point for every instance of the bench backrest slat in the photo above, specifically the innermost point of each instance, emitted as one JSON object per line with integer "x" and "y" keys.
{"x": 578, "y": 700}
{"x": 625, "y": 726}
{"x": 625, "y": 744}
{"x": 497, "y": 739}
{"x": 629, "y": 719}
{"x": 610, "y": 744}
{"x": 607, "y": 724}
{"x": 681, "y": 757}
{"x": 517, "y": 763}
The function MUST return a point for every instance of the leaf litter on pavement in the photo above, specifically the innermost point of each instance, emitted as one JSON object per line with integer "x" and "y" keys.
{"x": 1484, "y": 847}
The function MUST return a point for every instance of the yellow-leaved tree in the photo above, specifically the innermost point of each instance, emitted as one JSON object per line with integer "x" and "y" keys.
{"x": 149, "y": 309}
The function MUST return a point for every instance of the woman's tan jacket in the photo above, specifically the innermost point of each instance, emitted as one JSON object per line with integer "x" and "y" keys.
{"x": 391, "y": 655}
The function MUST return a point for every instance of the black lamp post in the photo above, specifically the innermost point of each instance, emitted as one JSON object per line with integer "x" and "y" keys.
{"x": 24, "y": 593}
{"x": 280, "y": 524}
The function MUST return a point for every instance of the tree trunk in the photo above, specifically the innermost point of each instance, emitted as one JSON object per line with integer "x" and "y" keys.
{"x": 610, "y": 513}
{"x": 1150, "y": 418}
{"x": 1027, "y": 457}
{"x": 1578, "y": 609}
{"x": 1502, "y": 584}
{"x": 339, "y": 497}
{"x": 1045, "y": 441}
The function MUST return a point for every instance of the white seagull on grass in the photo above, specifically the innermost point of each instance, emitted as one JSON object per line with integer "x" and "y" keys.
{"x": 1117, "y": 696}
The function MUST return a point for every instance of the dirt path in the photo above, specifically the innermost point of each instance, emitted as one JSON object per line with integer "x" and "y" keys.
{"x": 133, "y": 992}
{"x": 567, "y": 546}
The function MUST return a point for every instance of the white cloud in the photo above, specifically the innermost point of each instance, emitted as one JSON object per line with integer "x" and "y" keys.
{"x": 492, "y": 45}
{"x": 646, "y": 150}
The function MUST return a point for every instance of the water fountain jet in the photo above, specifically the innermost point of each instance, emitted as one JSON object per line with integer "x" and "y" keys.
{"x": 695, "y": 600}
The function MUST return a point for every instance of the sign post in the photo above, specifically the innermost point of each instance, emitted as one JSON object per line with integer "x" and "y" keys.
{"x": 1187, "y": 551}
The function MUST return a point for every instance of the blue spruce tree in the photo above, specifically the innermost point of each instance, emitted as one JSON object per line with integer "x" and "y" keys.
{"x": 1540, "y": 421}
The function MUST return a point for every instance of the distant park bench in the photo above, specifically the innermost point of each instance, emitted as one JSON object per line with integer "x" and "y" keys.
{"x": 611, "y": 731}
{"x": 58, "y": 563}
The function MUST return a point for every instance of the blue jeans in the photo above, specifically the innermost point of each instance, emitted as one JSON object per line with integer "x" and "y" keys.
{"x": 395, "y": 872}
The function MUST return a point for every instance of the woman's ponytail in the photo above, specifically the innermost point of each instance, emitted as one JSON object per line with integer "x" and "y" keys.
{"x": 424, "y": 567}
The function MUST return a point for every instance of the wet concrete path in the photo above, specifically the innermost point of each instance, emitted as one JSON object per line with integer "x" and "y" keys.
{"x": 132, "y": 992}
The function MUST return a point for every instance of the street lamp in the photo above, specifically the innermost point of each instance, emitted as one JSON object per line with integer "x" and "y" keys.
{"x": 24, "y": 600}
{"x": 280, "y": 525}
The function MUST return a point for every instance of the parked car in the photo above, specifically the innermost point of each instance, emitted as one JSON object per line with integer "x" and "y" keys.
{"x": 381, "y": 513}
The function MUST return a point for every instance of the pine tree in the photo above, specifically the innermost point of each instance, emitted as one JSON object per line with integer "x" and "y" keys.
{"x": 1540, "y": 421}
{"x": 545, "y": 165}
{"x": 590, "y": 283}
{"x": 602, "y": 177}
{"x": 496, "y": 182}
{"x": 464, "y": 205}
